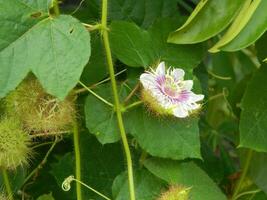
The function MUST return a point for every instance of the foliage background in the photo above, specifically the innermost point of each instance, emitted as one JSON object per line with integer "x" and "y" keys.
{"x": 207, "y": 152}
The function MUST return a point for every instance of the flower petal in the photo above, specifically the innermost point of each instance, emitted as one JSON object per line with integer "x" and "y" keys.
{"x": 188, "y": 85}
{"x": 196, "y": 97}
{"x": 147, "y": 80}
{"x": 161, "y": 69}
{"x": 178, "y": 74}
{"x": 180, "y": 112}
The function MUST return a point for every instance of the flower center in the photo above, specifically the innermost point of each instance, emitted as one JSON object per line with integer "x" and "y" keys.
{"x": 171, "y": 88}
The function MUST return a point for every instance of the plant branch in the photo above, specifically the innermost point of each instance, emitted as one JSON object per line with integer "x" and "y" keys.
{"x": 96, "y": 95}
{"x": 77, "y": 159}
{"x": 7, "y": 184}
{"x": 116, "y": 99}
{"x": 243, "y": 174}
{"x": 134, "y": 104}
{"x": 41, "y": 164}
{"x": 98, "y": 83}
{"x": 132, "y": 93}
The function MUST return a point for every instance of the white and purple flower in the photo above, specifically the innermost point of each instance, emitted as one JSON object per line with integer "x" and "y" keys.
{"x": 169, "y": 92}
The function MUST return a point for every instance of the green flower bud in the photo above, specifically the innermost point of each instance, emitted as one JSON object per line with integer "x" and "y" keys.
{"x": 14, "y": 142}
{"x": 39, "y": 111}
{"x": 176, "y": 192}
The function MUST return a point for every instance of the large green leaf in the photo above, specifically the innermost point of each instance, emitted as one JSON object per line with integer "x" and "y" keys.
{"x": 254, "y": 28}
{"x": 143, "y": 13}
{"x": 253, "y": 120}
{"x": 55, "y": 49}
{"x": 167, "y": 138}
{"x": 147, "y": 186}
{"x": 139, "y": 48}
{"x": 187, "y": 174}
{"x": 207, "y": 21}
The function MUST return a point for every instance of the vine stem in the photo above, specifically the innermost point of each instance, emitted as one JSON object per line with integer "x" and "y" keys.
{"x": 41, "y": 164}
{"x": 243, "y": 174}
{"x": 56, "y": 7}
{"x": 7, "y": 184}
{"x": 118, "y": 106}
{"x": 77, "y": 159}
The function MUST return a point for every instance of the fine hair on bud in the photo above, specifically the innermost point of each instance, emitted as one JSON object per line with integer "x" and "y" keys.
{"x": 176, "y": 192}
{"x": 38, "y": 111}
{"x": 14, "y": 144}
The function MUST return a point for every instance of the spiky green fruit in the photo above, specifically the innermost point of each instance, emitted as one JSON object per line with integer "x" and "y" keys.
{"x": 176, "y": 192}
{"x": 39, "y": 111}
{"x": 14, "y": 144}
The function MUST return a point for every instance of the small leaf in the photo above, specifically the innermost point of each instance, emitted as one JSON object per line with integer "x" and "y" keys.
{"x": 169, "y": 138}
{"x": 147, "y": 186}
{"x": 253, "y": 120}
{"x": 186, "y": 174}
{"x": 208, "y": 19}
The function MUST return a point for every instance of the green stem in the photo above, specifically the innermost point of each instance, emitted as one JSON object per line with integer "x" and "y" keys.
{"x": 41, "y": 164}
{"x": 96, "y": 95}
{"x": 243, "y": 174}
{"x": 137, "y": 103}
{"x": 7, "y": 184}
{"x": 246, "y": 193}
{"x": 56, "y": 7}
{"x": 77, "y": 159}
{"x": 116, "y": 99}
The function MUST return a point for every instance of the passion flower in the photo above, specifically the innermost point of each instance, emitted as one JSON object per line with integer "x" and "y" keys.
{"x": 167, "y": 93}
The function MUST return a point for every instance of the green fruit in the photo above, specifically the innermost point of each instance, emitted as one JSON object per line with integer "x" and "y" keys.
{"x": 38, "y": 111}
{"x": 14, "y": 142}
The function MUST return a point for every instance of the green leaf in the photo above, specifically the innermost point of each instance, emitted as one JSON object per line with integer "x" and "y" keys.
{"x": 166, "y": 138}
{"x": 44, "y": 45}
{"x": 131, "y": 44}
{"x": 207, "y": 21}
{"x": 148, "y": 187}
{"x": 100, "y": 118}
{"x": 253, "y": 30}
{"x": 96, "y": 69}
{"x": 242, "y": 32}
{"x": 143, "y": 13}
{"x": 46, "y": 197}
{"x": 187, "y": 174}
{"x": 253, "y": 120}
{"x": 139, "y": 48}
{"x": 262, "y": 48}
{"x": 257, "y": 170}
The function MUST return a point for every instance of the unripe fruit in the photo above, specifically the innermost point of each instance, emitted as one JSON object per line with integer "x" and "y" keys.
{"x": 38, "y": 111}
{"x": 14, "y": 142}
{"x": 176, "y": 192}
